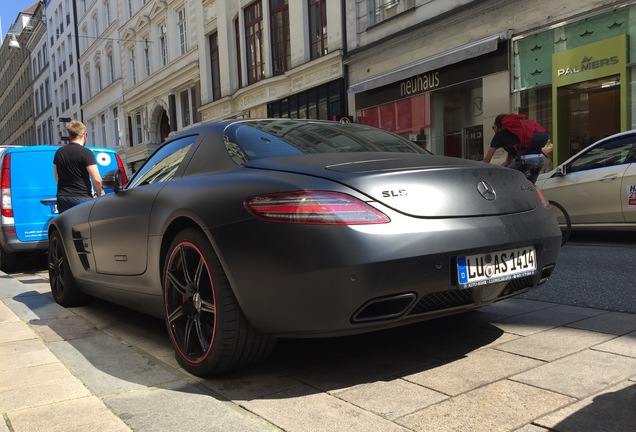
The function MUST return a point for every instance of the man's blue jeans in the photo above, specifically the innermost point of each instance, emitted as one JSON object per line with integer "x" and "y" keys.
{"x": 64, "y": 202}
{"x": 529, "y": 166}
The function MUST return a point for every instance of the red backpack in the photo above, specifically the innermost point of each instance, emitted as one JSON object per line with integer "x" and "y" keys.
{"x": 530, "y": 133}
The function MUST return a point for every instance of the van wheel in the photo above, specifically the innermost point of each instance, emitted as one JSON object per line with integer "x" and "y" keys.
{"x": 63, "y": 287}
{"x": 7, "y": 260}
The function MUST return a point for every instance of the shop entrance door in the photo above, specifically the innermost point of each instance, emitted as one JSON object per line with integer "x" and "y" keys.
{"x": 594, "y": 111}
{"x": 462, "y": 111}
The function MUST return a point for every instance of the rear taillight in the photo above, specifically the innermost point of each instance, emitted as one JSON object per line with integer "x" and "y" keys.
{"x": 314, "y": 207}
{"x": 120, "y": 165}
{"x": 5, "y": 184}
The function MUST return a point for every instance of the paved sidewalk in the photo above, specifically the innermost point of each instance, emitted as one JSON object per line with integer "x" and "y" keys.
{"x": 519, "y": 365}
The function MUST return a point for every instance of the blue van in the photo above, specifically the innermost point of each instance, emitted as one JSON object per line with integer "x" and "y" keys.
{"x": 28, "y": 196}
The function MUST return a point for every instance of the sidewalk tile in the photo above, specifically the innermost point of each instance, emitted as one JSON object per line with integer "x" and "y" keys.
{"x": 391, "y": 399}
{"x": 615, "y": 323}
{"x": 107, "y": 365}
{"x": 12, "y": 331}
{"x": 6, "y": 314}
{"x": 554, "y": 343}
{"x": 612, "y": 410}
{"x": 515, "y": 306}
{"x": 24, "y": 353}
{"x": 581, "y": 374}
{"x": 253, "y": 383}
{"x": 495, "y": 407}
{"x": 624, "y": 345}
{"x": 64, "y": 328}
{"x": 544, "y": 319}
{"x": 33, "y": 376}
{"x": 179, "y": 406}
{"x": 472, "y": 371}
{"x": 62, "y": 387}
{"x": 77, "y": 415}
{"x": 305, "y": 408}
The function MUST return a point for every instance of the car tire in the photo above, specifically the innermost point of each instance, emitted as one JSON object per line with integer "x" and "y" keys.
{"x": 207, "y": 328}
{"x": 7, "y": 260}
{"x": 63, "y": 286}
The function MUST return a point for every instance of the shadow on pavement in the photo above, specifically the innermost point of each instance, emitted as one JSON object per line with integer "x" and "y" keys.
{"x": 615, "y": 411}
{"x": 91, "y": 337}
{"x": 329, "y": 364}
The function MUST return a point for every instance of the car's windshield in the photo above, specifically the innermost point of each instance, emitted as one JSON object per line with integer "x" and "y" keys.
{"x": 253, "y": 140}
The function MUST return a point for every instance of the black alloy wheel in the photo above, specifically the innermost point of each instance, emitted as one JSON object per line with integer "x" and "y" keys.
{"x": 207, "y": 328}
{"x": 63, "y": 287}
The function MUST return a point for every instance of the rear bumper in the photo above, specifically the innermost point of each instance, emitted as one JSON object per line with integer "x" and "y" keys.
{"x": 354, "y": 280}
{"x": 10, "y": 242}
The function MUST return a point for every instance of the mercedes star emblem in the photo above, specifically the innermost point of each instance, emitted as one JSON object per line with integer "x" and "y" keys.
{"x": 486, "y": 191}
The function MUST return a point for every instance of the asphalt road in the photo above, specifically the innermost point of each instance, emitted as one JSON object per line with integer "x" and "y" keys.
{"x": 595, "y": 269}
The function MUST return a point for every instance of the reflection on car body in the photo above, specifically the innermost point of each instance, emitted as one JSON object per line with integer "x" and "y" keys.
{"x": 243, "y": 231}
{"x": 597, "y": 186}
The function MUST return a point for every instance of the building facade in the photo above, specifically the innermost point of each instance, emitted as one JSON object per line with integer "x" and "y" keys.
{"x": 577, "y": 76}
{"x": 272, "y": 58}
{"x": 42, "y": 102}
{"x": 101, "y": 73}
{"x": 160, "y": 72}
{"x": 434, "y": 71}
{"x": 62, "y": 40}
{"x": 17, "y": 124}
{"x": 440, "y": 72}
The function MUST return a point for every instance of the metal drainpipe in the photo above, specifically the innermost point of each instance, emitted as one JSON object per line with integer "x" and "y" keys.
{"x": 345, "y": 67}
{"x": 77, "y": 56}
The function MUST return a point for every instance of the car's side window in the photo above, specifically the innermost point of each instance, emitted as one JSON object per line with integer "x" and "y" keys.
{"x": 164, "y": 163}
{"x": 610, "y": 153}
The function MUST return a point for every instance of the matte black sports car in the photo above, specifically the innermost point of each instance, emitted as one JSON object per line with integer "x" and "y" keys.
{"x": 243, "y": 231}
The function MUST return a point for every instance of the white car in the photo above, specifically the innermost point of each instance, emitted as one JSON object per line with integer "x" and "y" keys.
{"x": 597, "y": 186}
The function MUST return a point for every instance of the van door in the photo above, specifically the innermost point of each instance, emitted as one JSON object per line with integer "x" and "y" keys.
{"x": 106, "y": 159}
{"x": 32, "y": 183}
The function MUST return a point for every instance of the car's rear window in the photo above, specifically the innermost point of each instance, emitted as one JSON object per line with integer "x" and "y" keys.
{"x": 260, "y": 139}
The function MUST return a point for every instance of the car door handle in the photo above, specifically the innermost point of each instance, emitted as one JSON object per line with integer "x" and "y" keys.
{"x": 609, "y": 177}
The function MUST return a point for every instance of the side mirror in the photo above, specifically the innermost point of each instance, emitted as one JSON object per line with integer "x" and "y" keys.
{"x": 560, "y": 171}
{"x": 112, "y": 180}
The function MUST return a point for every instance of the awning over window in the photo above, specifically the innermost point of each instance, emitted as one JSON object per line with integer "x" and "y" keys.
{"x": 455, "y": 55}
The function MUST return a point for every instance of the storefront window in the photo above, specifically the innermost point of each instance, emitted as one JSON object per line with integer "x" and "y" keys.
{"x": 400, "y": 116}
{"x": 447, "y": 105}
{"x": 532, "y": 62}
{"x": 573, "y": 79}
{"x": 325, "y": 102}
{"x": 536, "y": 103}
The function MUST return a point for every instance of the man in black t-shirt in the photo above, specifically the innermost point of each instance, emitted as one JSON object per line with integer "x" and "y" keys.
{"x": 74, "y": 166}
{"x": 530, "y": 163}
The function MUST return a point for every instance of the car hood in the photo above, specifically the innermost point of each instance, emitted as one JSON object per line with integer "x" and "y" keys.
{"x": 418, "y": 185}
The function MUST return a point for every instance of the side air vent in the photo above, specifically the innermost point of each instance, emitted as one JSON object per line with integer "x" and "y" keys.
{"x": 78, "y": 242}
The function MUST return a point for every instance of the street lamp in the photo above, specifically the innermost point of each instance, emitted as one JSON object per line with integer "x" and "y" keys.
{"x": 13, "y": 42}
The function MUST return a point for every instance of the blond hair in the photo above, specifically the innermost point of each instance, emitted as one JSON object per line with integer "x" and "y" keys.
{"x": 75, "y": 129}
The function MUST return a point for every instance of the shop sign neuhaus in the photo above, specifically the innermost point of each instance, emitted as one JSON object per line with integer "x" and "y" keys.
{"x": 419, "y": 84}
{"x": 589, "y": 62}
{"x": 435, "y": 79}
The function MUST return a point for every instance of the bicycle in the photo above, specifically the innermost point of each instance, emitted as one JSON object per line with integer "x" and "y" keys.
{"x": 563, "y": 218}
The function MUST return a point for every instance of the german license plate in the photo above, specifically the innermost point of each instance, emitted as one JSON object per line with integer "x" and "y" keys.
{"x": 494, "y": 267}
